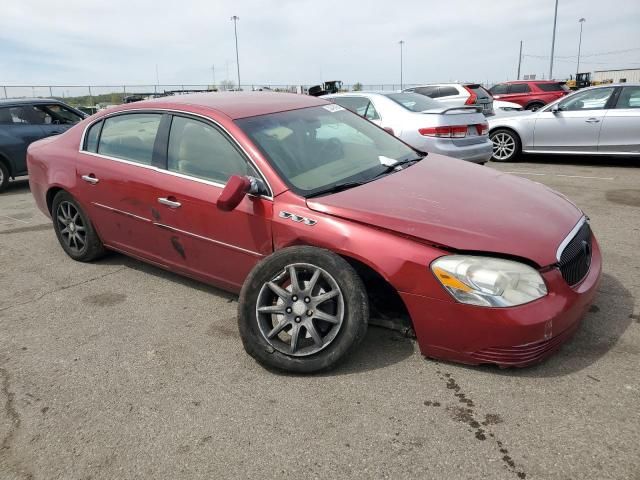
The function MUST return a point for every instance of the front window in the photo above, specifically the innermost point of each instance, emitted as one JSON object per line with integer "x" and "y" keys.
{"x": 316, "y": 148}
{"x": 413, "y": 102}
{"x": 553, "y": 87}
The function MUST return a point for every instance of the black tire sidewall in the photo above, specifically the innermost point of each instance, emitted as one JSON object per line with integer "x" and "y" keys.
{"x": 517, "y": 144}
{"x": 93, "y": 246}
{"x": 352, "y": 330}
{"x": 5, "y": 176}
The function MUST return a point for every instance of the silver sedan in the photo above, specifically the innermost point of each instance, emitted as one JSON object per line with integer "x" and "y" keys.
{"x": 423, "y": 123}
{"x": 602, "y": 120}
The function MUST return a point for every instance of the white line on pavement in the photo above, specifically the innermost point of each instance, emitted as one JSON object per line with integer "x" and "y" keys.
{"x": 14, "y": 219}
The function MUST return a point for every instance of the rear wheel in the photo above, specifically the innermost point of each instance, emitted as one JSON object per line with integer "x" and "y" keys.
{"x": 74, "y": 230}
{"x": 506, "y": 145}
{"x": 4, "y": 177}
{"x": 534, "y": 106}
{"x": 303, "y": 309}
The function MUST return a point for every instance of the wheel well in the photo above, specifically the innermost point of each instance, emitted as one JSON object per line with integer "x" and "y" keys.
{"x": 535, "y": 102}
{"x": 387, "y": 307}
{"x": 51, "y": 193}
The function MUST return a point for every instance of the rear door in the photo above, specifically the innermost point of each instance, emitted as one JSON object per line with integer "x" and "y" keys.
{"x": 197, "y": 238}
{"x": 620, "y": 131}
{"x": 576, "y": 125}
{"x": 117, "y": 175}
{"x": 17, "y": 130}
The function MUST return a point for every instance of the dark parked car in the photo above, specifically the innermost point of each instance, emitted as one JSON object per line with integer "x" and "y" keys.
{"x": 315, "y": 215}
{"x": 27, "y": 120}
{"x": 531, "y": 94}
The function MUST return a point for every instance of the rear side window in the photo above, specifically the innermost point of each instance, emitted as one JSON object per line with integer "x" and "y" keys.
{"x": 360, "y": 105}
{"x": 5, "y": 116}
{"x": 479, "y": 91}
{"x": 629, "y": 98}
{"x": 448, "y": 91}
{"x": 130, "y": 137}
{"x": 428, "y": 91}
{"x": 550, "y": 87}
{"x": 91, "y": 139}
{"x": 499, "y": 89}
{"x": 200, "y": 150}
{"x": 519, "y": 88}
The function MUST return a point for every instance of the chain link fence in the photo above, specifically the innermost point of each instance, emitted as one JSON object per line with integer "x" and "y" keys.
{"x": 102, "y": 95}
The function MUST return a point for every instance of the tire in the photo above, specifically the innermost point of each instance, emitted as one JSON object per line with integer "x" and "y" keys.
{"x": 506, "y": 145}
{"x": 327, "y": 325}
{"x": 4, "y": 177}
{"x": 74, "y": 230}
{"x": 534, "y": 106}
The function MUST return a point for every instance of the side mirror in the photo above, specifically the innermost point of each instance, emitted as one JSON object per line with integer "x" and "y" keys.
{"x": 555, "y": 108}
{"x": 233, "y": 193}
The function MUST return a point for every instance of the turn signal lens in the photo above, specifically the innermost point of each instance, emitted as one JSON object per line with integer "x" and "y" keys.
{"x": 488, "y": 282}
{"x": 482, "y": 128}
{"x": 452, "y": 131}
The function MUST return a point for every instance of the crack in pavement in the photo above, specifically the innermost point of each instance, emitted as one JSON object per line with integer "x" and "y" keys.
{"x": 14, "y": 418}
{"x": 65, "y": 287}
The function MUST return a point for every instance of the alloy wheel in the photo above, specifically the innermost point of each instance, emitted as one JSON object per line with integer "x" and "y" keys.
{"x": 72, "y": 228}
{"x": 300, "y": 310}
{"x": 504, "y": 146}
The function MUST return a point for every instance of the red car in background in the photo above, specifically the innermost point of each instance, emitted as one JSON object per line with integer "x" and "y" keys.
{"x": 530, "y": 94}
{"x": 317, "y": 217}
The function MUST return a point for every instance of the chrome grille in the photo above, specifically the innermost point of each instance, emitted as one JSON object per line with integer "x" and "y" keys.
{"x": 575, "y": 259}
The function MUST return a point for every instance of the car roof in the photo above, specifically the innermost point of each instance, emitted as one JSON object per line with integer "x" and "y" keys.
{"x": 26, "y": 101}
{"x": 238, "y": 104}
{"x": 534, "y": 81}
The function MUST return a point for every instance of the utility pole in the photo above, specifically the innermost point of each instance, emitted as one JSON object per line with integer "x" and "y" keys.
{"x": 553, "y": 41}
{"x": 401, "y": 42}
{"x": 235, "y": 19}
{"x": 213, "y": 76}
{"x": 520, "y": 60}
{"x": 581, "y": 21}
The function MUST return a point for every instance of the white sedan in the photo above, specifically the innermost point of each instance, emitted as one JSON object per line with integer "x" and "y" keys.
{"x": 425, "y": 124}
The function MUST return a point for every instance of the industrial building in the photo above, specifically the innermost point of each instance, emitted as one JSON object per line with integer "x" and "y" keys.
{"x": 629, "y": 75}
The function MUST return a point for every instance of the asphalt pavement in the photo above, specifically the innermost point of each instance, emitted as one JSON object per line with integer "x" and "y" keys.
{"x": 119, "y": 370}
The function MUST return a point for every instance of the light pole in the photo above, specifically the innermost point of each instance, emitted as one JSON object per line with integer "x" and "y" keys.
{"x": 553, "y": 41}
{"x": 581, "y": 21}
{"x": 401, "y": 42}
{"x": 235, "y": 19}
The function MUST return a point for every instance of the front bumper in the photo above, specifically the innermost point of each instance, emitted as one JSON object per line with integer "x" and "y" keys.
{"x": 515, "y": 336}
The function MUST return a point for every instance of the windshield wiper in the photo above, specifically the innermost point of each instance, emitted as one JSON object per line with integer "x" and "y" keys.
{"x": 401, "y": 165}
{"x": 336, "y": 188}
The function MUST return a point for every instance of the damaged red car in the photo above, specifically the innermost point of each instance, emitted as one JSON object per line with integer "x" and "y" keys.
{"x": 321, "y": 220}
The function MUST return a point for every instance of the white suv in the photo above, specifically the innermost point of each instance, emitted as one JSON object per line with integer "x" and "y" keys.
{"x": 457, "y": 94}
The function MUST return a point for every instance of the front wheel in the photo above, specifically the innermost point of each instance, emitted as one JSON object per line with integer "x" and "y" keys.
{"x": 506, "y": 145}
{"x": 302, "y": 309}
{"x": 534, "y": 106}
{"x": 4, "y": 177}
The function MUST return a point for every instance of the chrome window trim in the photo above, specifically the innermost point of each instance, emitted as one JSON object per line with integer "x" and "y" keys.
{"x": 570, "y": 236}
{"x": 164, "y": 170}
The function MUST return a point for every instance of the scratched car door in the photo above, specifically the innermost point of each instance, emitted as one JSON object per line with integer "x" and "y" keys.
{"x": 215, "y": 246}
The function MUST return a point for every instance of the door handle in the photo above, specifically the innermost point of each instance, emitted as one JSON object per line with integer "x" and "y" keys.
{"x": 91, "y": 178}
{"x": 593, "y": 120}
{"x": 169, "y": 203}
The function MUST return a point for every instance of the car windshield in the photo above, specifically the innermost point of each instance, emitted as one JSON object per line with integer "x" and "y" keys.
{"x": 414, "y": 101}
{"x": 319, "y": 148}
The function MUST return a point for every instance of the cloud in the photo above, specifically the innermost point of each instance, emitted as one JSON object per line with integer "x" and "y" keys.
{"x": 302, "y": 42}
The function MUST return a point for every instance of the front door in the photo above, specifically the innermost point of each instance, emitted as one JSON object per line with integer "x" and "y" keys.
{"x": 215, "y": 246}
{"x": 575, "y": 126}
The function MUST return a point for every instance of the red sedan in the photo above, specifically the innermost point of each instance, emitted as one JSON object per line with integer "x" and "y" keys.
{"x": 316, "y": 215}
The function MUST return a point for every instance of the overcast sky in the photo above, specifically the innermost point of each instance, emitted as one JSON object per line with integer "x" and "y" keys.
{"x": 108, "y": 42}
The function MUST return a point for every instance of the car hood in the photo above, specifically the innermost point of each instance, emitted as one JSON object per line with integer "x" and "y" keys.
{"x": 462, "y": 206}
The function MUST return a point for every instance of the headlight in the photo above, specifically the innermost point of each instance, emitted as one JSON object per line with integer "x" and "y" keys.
{"x": 488, "y": 282}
